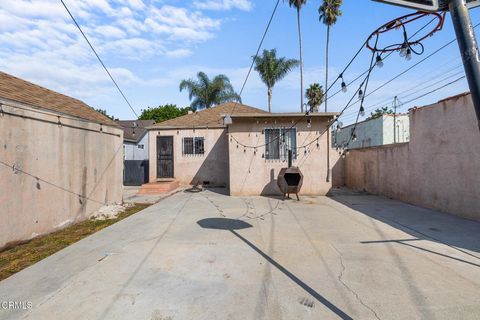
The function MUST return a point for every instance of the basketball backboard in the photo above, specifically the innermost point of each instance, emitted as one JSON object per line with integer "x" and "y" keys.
{"x": 427, "y": 5}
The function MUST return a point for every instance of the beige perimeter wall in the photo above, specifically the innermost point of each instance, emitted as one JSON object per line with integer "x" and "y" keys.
{"x": 192, "y": 169}
{"x": 51, "y": 175}
{"x": 250, "y": 174}
{"x": 439, "y": 168}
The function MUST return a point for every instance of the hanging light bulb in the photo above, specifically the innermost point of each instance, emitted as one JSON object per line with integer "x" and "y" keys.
{"x": 379, "y": 62}
{"x": 309, "y": 123}
{"x": 408, "y": 55}
{"x": 354, "y": 137}
{"x": 344, "y": 87}
{"x": 362, "y": 111}
{"x": 360, "y": 94}
{"x": 403, "y": 50}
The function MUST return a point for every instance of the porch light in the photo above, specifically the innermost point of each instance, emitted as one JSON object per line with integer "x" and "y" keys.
{"x": 227, "y": 120}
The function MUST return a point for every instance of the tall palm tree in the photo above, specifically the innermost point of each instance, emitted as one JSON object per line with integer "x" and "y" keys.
{"x": 329, "y": 12}
{"x": 207, "y": 93}
{"x": 298, "y": 5}
{"x": 314, "y": 96}
{"x": 272, "y": 69}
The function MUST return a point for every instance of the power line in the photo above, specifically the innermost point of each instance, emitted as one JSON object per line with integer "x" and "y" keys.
{"x": 99, "y": 59}
{"x": 256, "y": 54}
{"x": 434, "y": 90}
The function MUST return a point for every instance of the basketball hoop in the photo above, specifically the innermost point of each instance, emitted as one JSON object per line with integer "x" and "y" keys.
{"x": 407, "y": 44}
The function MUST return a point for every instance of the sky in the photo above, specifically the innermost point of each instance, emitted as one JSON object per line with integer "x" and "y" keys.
{"x": 151, "y": 45}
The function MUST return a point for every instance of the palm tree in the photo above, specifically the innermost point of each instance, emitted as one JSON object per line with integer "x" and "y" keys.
{"x": 329, "y": 12}
{"x": 272, "y": 69}
{"x": 298, "y": 5}
{"x": 207, "y": 93}
{"x": 314, "y": 96}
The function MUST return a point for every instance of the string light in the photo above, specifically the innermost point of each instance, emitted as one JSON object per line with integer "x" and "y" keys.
{"x": 403, "y": 50}
{"x": 362, "y": 111}
{"x": 309, "y": 123}
{"x": 360, "y": 94}
{"x": 408, "y": 55}
{"x": 354, "y": 137}
{"x": 379, "y": 62}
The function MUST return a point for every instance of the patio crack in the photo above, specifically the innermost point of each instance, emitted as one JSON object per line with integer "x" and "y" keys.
{"x": 340, "y": 278}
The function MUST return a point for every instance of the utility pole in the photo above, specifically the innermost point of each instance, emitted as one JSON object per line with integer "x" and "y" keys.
{"x": 468, "y": 48}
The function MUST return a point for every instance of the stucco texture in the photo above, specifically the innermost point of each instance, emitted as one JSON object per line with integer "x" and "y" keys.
{"x": 250, "y": 174}
{"x": 212, "y": 166}
{"x": 53, "y": 175}
{"x": 439, "y": 168}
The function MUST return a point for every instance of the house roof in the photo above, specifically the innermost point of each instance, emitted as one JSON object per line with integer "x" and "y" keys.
{"x": 285, "y": 115}
{"x": 212, "y": 117}
{"x": 21, "y": 91}
{"x": 134, "y": 130}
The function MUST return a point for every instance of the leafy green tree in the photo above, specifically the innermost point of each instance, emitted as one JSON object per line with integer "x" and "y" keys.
{"x": 163, "y": 113}
{"x": 314, "y": 96}
{"x": 298, "y": 4}
{"x": 207, "y": 93}
{"x": 104, "y": 112}
{"x": 380, "y": 112}
{"x": 272, "y": 69}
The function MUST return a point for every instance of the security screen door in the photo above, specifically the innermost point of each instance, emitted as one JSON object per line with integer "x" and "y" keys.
{"x": 164, "y": 157}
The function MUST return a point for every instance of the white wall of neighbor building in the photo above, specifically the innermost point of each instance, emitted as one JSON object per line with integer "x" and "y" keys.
{"x": 375, "y": 132}
{"x": 53, "y": 175}
{"x": 133, "y": 151}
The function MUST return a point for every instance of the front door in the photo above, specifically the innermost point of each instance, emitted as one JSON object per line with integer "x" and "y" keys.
{"x": 164, "y": 157}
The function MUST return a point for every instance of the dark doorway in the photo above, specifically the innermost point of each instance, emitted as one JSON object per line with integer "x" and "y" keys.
{"x": 165, "y": 157}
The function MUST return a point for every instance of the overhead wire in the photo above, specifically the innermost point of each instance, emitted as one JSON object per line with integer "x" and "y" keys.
{"x": 99, "y": 59}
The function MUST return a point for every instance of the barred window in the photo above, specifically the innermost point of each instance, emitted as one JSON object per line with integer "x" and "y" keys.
{"x": 278, "y": 142}
{"x": 193, "y": 145}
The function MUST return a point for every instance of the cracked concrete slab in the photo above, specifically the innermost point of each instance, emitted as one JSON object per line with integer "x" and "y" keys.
{"x": 209, "y": 256}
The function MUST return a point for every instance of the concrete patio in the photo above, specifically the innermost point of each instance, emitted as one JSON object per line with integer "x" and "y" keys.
{"x": 209, "y": 256}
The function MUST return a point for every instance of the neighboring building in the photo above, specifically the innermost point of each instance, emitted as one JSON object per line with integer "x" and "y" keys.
{"x": 374, "y": 132}
{"x": 199, "y": 148}
{"x": 135, "y": 138}
{"x": 60, "y": 160}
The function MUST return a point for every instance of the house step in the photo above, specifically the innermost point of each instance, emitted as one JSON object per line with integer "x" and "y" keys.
{"x": 159, "y": 187}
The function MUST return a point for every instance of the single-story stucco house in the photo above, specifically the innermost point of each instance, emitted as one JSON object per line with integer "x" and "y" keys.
{"x": 60, "y": 160}
{"x": 245, "y": 156}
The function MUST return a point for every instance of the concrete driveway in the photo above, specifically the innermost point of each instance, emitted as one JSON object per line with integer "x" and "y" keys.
{"x": 350, "y": 256}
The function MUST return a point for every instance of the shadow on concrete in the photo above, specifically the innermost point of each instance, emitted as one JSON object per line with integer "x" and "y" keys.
{"x": 232, "y": 225}
{"x": 424, "y": 224}
{"x": 405, "y": 243}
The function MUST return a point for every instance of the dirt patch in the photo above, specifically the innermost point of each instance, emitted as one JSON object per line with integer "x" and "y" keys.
{"x": 21, "y": 256}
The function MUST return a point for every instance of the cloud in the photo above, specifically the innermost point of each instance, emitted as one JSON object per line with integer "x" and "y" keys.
{"x": 245, "y": 5}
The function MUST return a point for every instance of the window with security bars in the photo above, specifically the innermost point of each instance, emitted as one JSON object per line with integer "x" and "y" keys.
{"x": 279, "y": 141}
{"x": 193, "y": 146}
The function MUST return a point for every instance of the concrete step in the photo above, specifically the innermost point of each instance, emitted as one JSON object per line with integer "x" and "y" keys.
{"x": 159, "y": 187}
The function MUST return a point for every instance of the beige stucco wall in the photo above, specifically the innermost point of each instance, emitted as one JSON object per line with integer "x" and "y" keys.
{"x": 62, "y": 174}
{"x": 250, "y": 174}
{"x": 192, "y": 169}
{"x": 439, "y": 168}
